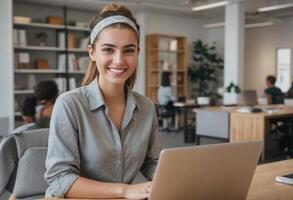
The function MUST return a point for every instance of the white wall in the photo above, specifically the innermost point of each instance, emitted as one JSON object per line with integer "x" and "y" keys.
{"x": 260, "y": 53}
{"x": 188, "y": 27}
{"x": 217, "y": 35}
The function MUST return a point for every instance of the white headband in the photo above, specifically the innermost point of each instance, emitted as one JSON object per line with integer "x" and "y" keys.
{"x": 109, "y": 21}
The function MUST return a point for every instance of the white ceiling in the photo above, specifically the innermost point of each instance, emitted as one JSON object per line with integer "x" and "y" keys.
{"x": 177, "y": 7}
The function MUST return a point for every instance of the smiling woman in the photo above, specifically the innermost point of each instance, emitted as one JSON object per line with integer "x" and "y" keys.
{"x": 102, "y": 134}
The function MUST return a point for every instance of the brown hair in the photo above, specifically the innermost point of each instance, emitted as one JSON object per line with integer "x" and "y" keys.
{"x": 107, "y": 11}
{"x": 271, "y": 79}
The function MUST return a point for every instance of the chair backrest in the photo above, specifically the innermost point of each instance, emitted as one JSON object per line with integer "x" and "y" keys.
{"x": 27, "y": 159}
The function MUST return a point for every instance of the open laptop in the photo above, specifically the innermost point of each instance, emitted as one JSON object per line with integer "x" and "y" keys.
{"x": 249, "y": 97}
{"x": 218, "y": 171}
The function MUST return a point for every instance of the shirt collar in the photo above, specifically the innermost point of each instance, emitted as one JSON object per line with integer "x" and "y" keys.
{"x": 94, "y": 95}
{"x": 96, "y": 99}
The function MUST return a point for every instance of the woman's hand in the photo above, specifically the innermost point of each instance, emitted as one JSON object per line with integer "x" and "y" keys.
{"x": 138, "y": 191}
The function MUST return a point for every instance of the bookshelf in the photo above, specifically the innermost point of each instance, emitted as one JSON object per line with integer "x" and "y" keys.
{"x": 61, "y": 56}
{"x": 166, "y": 53}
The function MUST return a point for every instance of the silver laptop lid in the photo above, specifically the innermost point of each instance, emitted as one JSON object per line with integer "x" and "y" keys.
{"x": 218, "y": 171}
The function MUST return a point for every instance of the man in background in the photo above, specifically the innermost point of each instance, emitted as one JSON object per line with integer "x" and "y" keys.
{"x": 274, "y": 94}
{"x": 46, "y": 93}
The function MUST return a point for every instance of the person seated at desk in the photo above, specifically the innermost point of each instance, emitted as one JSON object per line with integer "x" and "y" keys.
{"x": 103, "y": 133}
{"x": 165, "y": 95}
{"x": 28, "y": 112}
{"x": 46, "y": 92}
{"x": 274, "y": 94}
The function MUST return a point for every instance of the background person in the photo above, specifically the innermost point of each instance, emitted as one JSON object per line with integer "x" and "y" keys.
{"x": 46, "y": 92}
{"x": 102, "y": 134}
{"x": 274, "y": 94}
{"x": 28, "y": 114}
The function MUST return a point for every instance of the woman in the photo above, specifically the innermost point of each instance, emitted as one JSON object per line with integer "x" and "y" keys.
{"x": 103, "y": 133}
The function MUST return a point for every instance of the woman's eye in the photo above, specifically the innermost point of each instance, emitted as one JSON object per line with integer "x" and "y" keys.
{"x": 108, "y": 50}
{"x": 129, "y": 51}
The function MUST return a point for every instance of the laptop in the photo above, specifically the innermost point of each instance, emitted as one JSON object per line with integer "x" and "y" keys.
{"x": 218, "y": 171}
{"x": 249, "y": 97}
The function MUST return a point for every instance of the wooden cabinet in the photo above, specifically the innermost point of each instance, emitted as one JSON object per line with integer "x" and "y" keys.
{"x": 166, "y": 53}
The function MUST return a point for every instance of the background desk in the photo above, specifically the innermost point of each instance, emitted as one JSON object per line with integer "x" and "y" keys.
{"x": 263, "y": 186}
{"x": 228, "y": 123}
{"x": 255, "y": 126}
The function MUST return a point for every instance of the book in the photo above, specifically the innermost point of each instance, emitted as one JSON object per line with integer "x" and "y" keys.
{"x": 71, "y": 40}
{"x": 15, "y": 37}
{"x": 83, "y": 44}
{"x": 32, "y": 82}
{"x": 61, "y": 40}
{"x": 61, "y": 83}
{"x": 22, "y": 37}
{"x": 173, "y": 45}
{"x": 61, "y": 62}
{"x": 22, "y": 19}
{"x": 83, "y": 63}
{"x": 72, "y": 63}
{"x": 72, "y": 83}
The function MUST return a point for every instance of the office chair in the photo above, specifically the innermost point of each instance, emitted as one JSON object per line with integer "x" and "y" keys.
{"x": 166, "y": 118}
{"x": 22, "y": 160}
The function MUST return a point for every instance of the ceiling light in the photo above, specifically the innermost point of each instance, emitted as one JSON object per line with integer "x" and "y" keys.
{"x": 214, "y": 25}
{"x": 275, "y": 7}
{"x": 209, "y": 6}
{"x": 259, "y": 24}
{"x": 253, "y": 25}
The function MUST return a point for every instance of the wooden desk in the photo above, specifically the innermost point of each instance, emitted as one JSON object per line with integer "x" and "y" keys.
{"x": 263, "y": 186}
{"x": 249, "y": 126}
{"x": 255, "y": 126}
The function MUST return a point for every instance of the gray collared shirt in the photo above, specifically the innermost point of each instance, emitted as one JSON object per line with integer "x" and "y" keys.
{"x": 84, "y": 142}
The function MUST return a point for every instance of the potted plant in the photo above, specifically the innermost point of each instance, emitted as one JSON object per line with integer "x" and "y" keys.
{"x": 231, "y": 95}
{"x": 42, "y": 38}
{"x": 203, "y": 73}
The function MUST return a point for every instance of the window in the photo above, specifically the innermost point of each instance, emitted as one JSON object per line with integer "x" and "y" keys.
{"x": 283, "y": 69}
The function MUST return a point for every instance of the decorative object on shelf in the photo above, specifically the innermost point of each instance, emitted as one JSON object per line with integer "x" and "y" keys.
{"x": 22, "y": 60}
{"x": 71, "y": 23}
{"x": 82, "y": 24}
{"x": 41, "y": 63}
{"x": 55, "y": 20}
{"x": 42, "y": 38}
{"x": 203, "y": 73}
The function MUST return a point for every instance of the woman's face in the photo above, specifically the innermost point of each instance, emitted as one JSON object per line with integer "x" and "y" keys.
{"x": 115, "y": 54}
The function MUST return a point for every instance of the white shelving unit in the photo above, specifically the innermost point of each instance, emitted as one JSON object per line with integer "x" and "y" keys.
{"x": 38, "y": 48}
{"x": 25, "y": 76}
{"x": 23, "y": 91}
{"x": 38, "y": 71}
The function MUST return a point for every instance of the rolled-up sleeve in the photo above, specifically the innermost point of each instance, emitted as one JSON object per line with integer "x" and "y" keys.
{"x": 63, "y": 159}
{"x": 153, "y": 152}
